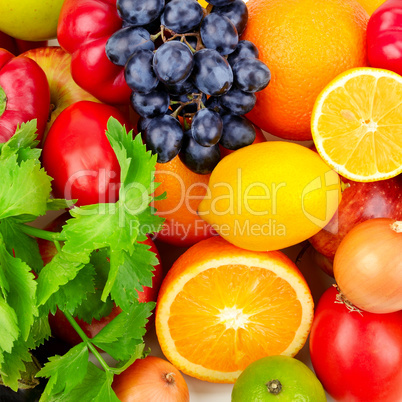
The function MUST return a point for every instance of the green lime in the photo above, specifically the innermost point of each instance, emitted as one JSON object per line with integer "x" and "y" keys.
{"x": 280, "y": 379}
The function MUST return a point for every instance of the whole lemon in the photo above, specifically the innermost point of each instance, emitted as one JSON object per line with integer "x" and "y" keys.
{"x": 278, "y": 378}
{"x": 271, "y": 195}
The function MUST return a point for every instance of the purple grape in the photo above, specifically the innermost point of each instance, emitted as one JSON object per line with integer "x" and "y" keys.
{"x": 206, "y": 127}
{"x": 219, "y": 33}
{"x": 139, "y": 12}
{"x": 121, "y": 45}
{"x": 211, "y": 74}
{"x": 237, "y": 12}
{"x": 164, "y": 136}
{"x": 182, "y": 16}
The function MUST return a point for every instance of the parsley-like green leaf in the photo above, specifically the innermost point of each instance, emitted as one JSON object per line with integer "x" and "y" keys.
{"x": 40, "y": 330}
{"x": 21, "y": 289}
{"x": 134, "y": 273}
{"x": 97, "y": 226}
{"x": 93, "y": 306}
{"x": 23, "y": 142}
{"x": 137, "y": 166}
{"x": 63, "y": 268}
{"x": 20, "y": 244}
{"x": 74, "y": 293}
{"x": 65, "y": 372}
{"x": 9, "y": 328}
{"x": 56, "y": 204}
{"x": 24, "y": 188}
{"x": 13, "y": 364}
{"x": 96, "y": 387}
{"x": 125, "y": 331}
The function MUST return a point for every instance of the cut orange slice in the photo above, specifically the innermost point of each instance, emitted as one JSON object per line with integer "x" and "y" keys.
{"x": 357, "y": 124}
{"x": 221, "y": 307}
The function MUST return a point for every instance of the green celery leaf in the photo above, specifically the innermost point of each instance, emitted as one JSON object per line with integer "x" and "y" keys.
{"x": 137, "y": 167}
{"x": 58, "y": 272}
{"x": 148, "y": 223}
{"x": 96, "y": 387}
{"x": 9, "y": 328}
{"x": 55, "y": 204}
{"x": 74, "y": 293}
{"x": 40, "y": 330}
{"x": 20, "y": 244}
{"x": 125, "y": 331}
{"x": 23, "y": 142}
{"x": 134, "y": 273}
{"x": 13, "y": 364}
{"x": 97, "y": 226}
{"x": 24, "y": 188}
{"x": 21, "y": 293}
{"x": 65, "y": 372}
{"x": 94, "y": 307}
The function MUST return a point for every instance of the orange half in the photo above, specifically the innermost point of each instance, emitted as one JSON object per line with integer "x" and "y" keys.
{"x": 221, "y": 307}
{"x": 357, "y": 124}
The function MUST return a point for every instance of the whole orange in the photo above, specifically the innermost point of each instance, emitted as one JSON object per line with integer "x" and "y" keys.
{"x": 305, "y": 44}
{"x": 184, "y": 191}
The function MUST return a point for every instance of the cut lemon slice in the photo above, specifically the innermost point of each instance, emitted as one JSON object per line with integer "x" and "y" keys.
{"x": 357, "y": 124}
{"x": 221, "y": 307}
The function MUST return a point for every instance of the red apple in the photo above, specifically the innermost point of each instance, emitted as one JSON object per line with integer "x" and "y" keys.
{"x": 59, "y": 324}
{"x": 360, "y": 201}
{"x": 55, "y": 62}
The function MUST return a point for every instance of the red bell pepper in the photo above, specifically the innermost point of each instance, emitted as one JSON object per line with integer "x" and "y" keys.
{"x": 384, "y": 37}
{"x": 83, "y": 30}
{"x": 24, "y": 94}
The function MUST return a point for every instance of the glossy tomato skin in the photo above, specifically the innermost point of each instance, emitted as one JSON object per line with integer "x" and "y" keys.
{"x": 356, "y": 356}
{"x": 79, "y": 157}
{"x": 384, "y": 37}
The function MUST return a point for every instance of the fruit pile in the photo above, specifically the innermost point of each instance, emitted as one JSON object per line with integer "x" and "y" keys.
{"x": 142, "y": 205}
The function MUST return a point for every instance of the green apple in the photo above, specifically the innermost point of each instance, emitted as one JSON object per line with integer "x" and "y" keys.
{"x": 33, "y": 20}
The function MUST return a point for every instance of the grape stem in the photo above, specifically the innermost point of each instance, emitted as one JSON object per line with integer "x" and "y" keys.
{"x": 173, "y": 35}
{"x": 195, "y": 98}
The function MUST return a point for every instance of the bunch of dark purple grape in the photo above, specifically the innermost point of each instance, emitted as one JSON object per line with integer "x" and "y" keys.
{"x": 183, "y": 60}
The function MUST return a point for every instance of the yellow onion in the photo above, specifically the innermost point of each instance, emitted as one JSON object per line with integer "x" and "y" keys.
{"x": 368, "y": 265}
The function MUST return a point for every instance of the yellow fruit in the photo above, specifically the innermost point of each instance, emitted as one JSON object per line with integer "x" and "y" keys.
{"x": 34, "y": 20}
{"x": 305, "y": 44}
{"x": 271, "y": 195}
{"x": 357, "y": 124}
{"x": 221, "y": 307}
{"x": 371, "y": 5}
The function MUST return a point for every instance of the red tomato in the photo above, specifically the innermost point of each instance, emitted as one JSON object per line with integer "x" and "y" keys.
{"x": 357, "y": 356}
{"x": 79, "y": 157}
{"x": 384, "y": 37}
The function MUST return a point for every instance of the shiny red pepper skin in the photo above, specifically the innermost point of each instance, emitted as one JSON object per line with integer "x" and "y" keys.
{"x": 24, "y": 94}
{"x": 83, "y": 30}
{"x": 384, "y": 37}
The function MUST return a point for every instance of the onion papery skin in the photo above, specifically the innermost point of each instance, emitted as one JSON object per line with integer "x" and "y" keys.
{"x": 151, "y": 379}
{"x": 368, "y": 266}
